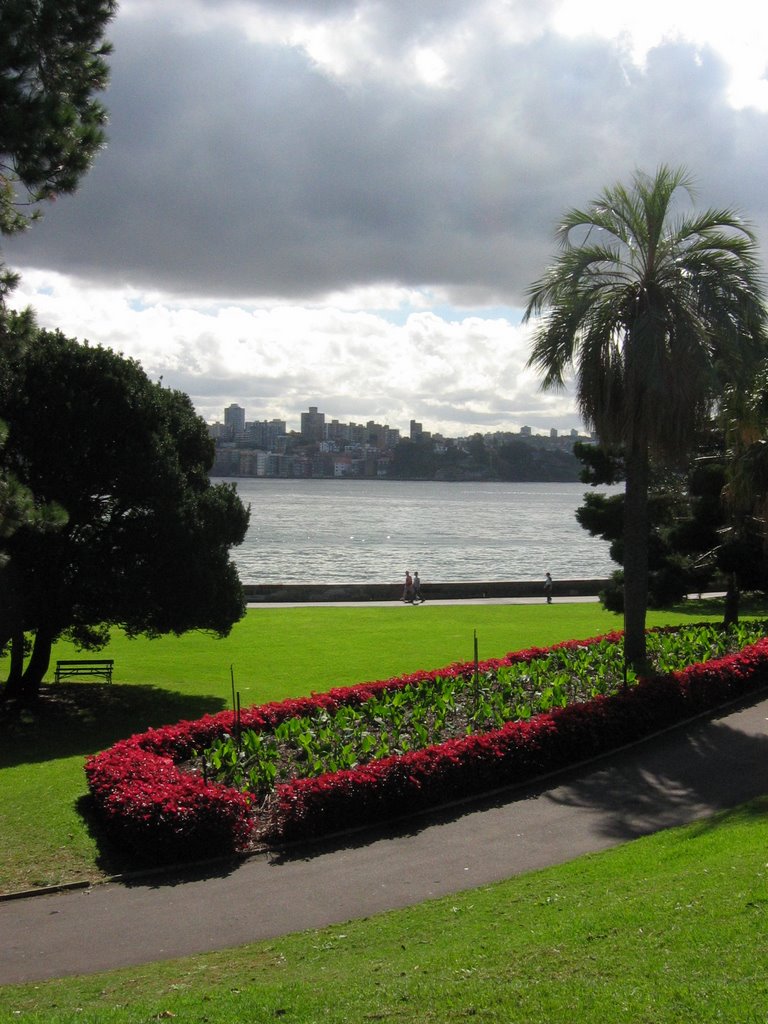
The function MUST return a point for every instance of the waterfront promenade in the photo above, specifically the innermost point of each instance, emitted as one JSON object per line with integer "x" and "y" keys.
{"x": 461, "y": 592}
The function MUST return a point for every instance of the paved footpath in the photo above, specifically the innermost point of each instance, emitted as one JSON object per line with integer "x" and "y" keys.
{"x": 671, "y": 779}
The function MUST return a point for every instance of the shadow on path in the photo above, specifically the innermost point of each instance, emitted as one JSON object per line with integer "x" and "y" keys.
{"x": 710, "y": 767}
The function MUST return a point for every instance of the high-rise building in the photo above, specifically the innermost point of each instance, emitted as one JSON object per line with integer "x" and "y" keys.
{"x": 264, "y": 433}
{"x": 234, "y": 420}
{"x": 312, "y": 424}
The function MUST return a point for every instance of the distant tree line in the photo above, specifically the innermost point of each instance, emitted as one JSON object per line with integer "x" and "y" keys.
{"x": 514, "y": 461}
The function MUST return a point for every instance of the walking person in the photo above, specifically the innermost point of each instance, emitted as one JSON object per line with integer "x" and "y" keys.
{"x": 408, "y": 588}
{"x": 548, "y": 587}
{"x": 417, "y": 598}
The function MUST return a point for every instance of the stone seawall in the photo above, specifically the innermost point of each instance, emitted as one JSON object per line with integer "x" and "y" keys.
{"x": 288, "y": 593}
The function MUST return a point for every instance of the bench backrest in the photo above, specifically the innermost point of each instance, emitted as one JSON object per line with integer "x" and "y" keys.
{"x": 88, "y": 661}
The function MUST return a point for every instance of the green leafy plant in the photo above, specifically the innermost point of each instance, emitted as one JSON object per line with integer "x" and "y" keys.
{"x": 469, "y": 702}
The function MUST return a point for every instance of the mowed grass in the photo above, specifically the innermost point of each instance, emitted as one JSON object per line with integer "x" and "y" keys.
{"x": 276, "y": 653}
{"x": 272, "y": 654}
{"x": 668, "y": 929}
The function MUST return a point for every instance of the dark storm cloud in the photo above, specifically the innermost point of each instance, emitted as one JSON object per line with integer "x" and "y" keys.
{"x": 238, "y": 168}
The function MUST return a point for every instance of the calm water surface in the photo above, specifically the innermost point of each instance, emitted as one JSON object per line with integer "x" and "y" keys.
{"x": 360, "y": 531}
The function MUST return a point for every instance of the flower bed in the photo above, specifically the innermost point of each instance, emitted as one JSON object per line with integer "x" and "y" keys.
{"x": 163, "y": 813}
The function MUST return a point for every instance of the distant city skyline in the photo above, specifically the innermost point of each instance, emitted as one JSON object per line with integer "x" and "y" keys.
{"x": 331, "y": 449}
{"x": 235, "y": 416}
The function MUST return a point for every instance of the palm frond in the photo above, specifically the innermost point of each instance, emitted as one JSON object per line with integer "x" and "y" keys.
{"x": 652, "y": 306}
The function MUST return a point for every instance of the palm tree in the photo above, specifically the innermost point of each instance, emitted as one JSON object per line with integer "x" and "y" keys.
{"x": 654, "y": 308}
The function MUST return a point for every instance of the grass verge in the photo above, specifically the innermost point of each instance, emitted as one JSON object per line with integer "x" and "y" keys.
{"x": 668, "y": 928}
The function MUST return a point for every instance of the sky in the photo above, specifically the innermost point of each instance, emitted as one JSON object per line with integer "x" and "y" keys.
{"x": 343, "y": 203}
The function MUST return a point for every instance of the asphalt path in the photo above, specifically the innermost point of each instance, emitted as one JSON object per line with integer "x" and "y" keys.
{"x": 679, "y": 776}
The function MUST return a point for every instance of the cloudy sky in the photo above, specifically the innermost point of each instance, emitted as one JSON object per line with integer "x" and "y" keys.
{"x": 341, "y": 203}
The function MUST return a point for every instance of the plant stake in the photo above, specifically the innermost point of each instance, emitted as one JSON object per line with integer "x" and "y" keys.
{"x": 477, "y": 673}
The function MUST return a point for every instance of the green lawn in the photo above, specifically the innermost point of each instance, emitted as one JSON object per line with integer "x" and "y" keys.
{"x": 273, "y": 653}
{"x": 283, "y": 652}
{"x": 665, "y": 930}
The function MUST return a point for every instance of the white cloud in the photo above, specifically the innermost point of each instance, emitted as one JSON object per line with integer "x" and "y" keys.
{"x": 459, "y": 375}
{"x": 342, "y": 202}
{"x": 737, "y": 32}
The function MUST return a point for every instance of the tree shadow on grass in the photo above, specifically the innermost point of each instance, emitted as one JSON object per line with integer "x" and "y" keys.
{"x": 82, "y": 718}
{"x": 695, "y": 608}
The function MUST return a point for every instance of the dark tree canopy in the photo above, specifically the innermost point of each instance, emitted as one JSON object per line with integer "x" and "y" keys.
{"x": 17, "y": 504}
{"x": 674, "y": 567}
{"x": 52, "y": 61}
{"x": 696, "y": 542}
{"x": 142, "y": 538}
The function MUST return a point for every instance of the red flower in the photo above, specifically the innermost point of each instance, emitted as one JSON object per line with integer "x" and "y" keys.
{"x": 161, "y": 812}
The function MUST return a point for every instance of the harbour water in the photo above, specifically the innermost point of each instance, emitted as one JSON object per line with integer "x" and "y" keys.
{"x": 370, "y": 531}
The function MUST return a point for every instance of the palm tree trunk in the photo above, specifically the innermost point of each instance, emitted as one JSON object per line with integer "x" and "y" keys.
{"x": 731, "y": 612}
{"x": 636, "y": 555}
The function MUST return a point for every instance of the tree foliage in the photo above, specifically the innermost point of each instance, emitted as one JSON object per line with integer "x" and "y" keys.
{"x": 655, "y": 309}
{"x": 679, "y": 541}
{"x": 697, "y": 539}
{"x": 52, "y": 61}
{"x": 142, "y": 538}
{"x": 17, "y": 504}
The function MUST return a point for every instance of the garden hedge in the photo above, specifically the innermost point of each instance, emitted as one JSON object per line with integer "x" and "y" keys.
{"x": 162, "y": 813}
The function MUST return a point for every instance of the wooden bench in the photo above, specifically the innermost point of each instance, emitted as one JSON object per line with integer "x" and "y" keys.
{"x": 85, "y": 667}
